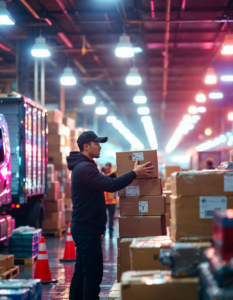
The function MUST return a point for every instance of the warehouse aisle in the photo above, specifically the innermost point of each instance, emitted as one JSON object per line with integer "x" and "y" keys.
{"x": 64, "y": 272}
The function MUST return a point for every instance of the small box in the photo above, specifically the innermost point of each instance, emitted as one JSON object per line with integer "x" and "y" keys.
{"x": 206, "y": 183}
{"x": 126, "y": 160}
{"x": 50, "y": 173}
{"x": 144, "y": 252}
{"x": 143, "y": 187}
{"x": 146, "y": 206}
{"x": 68, "y": 189}
{"x": 171, "y": 169}
{"x": 55, "y": 128}
{"x": 53, "y": 205}
{"x": 68, "y": 215}
{"x": 141, "y": 226}
{"x": 53, "y": 220}
{"x": 68, "y": 203}
{"x": 69, "y": 122}
{"x": 6, "y": 262}
{"x": 56, "y": 140}
{"x": 147, "y": 284}
{"x": 115, "y": 292}
{"x": 54, "y": 116}
{"x": 120, "y": 271}
{"x": 53, "y": 192}
{"x": 167, "y": 194}
{"x": 124, "y": 251}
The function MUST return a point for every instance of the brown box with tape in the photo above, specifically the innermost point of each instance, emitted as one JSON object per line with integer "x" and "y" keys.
{"x": 144, "y": 252}
{"x": 146, "y": 206}
{"x": 206, "y": 183}
{"x": 124, "y": 252}
{"x": 53, "y": 205}
{"x": 54, "y": 116}
{"x": 141, "y": 226}
{"x": 143, "y": 187}
{"x": 53, "y": 192}
{"x": 125, "y": 161}
{"x": 53, "y": 220}
{"x": 171, "y": 169}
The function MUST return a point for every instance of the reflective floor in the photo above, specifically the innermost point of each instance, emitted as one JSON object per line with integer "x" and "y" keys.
{"x": 63, "y": 272}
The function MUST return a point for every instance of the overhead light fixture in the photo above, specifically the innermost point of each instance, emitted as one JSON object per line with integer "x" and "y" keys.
{"x": 192, "y": 110}
{"x": 196, "y": 118}
{"x": 230, "y": 116}
{"x": 215, "y": 95}
{"x": 210, "y": 77}
{"x": 201, "y": 97}
{"x": 143, "y": 110}
{"x": 201, "y": 109}
{"x": 111, "y": 118}
{"x": 68, "y": 77}
{"x": 5, "y": 16}
{"x": 228, "y": 44}
{"x": 101, "y": 109}
{"x": 133, "y": 78}
{"x": 89, "y": 98}
{"x": 124, "y": 48}
{"x": 40, "y": 49}
{"x": 208, "y": 131}
{"x": 140, "y": 97}
{"x": 227, "y": 78}
{"x": 187, "y": 118}
{"x": 150, "y": 131}
{"x": 137, "y": 50}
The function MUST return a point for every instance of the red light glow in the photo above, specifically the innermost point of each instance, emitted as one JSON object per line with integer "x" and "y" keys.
{"x": 201, "y": 98}
{"x": 192, "y": 110}
{"x": 230, "y": 116}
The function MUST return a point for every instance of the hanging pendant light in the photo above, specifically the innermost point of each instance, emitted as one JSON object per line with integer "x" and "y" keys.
{"x": 133, "y": 78}
{"x": 101, "y": 109}
{"x": 111, "y": 118}
{"x": 140, "y": 97}
{"x": 228, "y": 44}
{"x": 5, "y": 16}
{"x": 40, "y": 49}
{"x": 210, "y": 77}
{"x": 68, "y": 77}
{"x": 89, "y": 98}
{"x": 124, "y": 48}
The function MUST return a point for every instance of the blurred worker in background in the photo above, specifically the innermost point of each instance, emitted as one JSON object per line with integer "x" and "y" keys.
{"x": 103, "y": 170}
{"x": 110, "y": 200}
{"x": 209, "y": 164}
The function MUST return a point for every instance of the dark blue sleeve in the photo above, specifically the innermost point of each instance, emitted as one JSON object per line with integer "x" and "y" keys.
{"x": 90, "y": 177}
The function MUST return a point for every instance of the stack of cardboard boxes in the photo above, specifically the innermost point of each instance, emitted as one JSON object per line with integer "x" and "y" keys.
{"x": 195, "y": 197}
{"x": 142, "y": 204}
{"x": 168, "y": 171}
{"x": 8, "y": 270}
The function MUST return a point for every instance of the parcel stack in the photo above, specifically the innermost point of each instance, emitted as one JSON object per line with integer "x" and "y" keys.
{"x": 216, "y": 275}
{"x": 142, "y": 204}
{"x": 168, "y": 171}
{"x": 7, "y": 267}
{"x": 24, "y": 242}
{"x": 195, "y": 197}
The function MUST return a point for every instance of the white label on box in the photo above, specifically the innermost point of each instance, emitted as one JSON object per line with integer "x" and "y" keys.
{"x": 208, "y": 204}
{"x": 49, "y": 185}
{"x": 132, "y": 191}
{"x": 228, "y": 183}
{"x": 49, "y": 175}
{"x": 138, "y": 156}
{"x": 143, "y": 206}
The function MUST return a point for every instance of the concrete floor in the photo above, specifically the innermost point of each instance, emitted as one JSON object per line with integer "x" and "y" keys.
{"x": 63, "y": 272}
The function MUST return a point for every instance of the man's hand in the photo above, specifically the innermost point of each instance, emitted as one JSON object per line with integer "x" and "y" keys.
{"x": 143, "y": 170}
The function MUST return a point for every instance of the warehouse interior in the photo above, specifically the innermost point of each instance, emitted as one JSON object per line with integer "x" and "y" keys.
{"x": 155, "y": 77}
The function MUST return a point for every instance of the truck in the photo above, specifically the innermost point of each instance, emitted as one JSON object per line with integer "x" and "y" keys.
{"x": 23, "y": 160}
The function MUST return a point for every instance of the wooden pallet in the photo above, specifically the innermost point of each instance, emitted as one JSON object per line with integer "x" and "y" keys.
{"x": 12, "y": 273}
{"x": 25, "y": 261}
{"x": 55, "y": 232}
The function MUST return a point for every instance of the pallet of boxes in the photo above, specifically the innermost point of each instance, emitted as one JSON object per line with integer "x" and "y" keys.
{"x": 142, "y": 206}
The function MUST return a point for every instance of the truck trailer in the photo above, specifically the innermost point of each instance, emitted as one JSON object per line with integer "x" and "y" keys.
{"x": 23, "y": 160}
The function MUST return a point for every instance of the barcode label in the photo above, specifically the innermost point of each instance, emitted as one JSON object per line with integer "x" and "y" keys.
{"x": 209, "y": 204}
{"x": 143, "y": 206}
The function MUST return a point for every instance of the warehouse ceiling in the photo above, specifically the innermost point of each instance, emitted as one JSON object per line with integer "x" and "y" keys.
{"x": 179, "y": 41}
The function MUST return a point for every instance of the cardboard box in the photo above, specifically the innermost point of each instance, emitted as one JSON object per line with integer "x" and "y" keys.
{"x": 123, "y": 252}
{"x": 168, "y": 207}
{"x": 63, "y": 219}
{"x": 68, "y": 203}
{"x": 167, "y": 219}
{"x": 171, "y": 169}
{"x": 58, "y": 157}
{"x": 150, "y": 285}
{"x": 120, "y": 271}
{"x": 56, "y": 140}
{"x": 191, "y": 217}
{"x": 50, "y": 173}
{"x": 53, "y": 205}
{"x": 69, "y": 122}
{"x": 68, "y": 189}
{"x": 74, "y": 133}
{"x": 53, "y": 192}
{"x": 55, "y": 175}
{"x": 140, "y": 226}
{"x": 115, "y": 291}
{"x": 168, "y": 186}
{"x": 167, "y": 194}
{"x": 125, "y": 161}
{"x": 55, "y": 128}
{"x": 144, "y": 252}
{"x": 68, "y": 215}
{"x": 53, "y": 220}
{"x": 205, "y": 183}
{"x": 143, "y": 187}
{"x": 145, "y": 206}
{"x": 6, "y": 262}
{"x": 54, "y": 116}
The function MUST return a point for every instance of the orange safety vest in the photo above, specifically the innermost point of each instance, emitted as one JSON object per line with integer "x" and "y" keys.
{"x": 109, "y": 197}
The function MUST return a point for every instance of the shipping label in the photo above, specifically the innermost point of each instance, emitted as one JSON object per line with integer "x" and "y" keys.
{"x": 208, "y": 204}
{"x": 143, "y": 206}
{"x": 228, "y": 183}
{"x": 132, "y": 191}
{"x": 49, "y": 185}
{"x": 138, "y": 156}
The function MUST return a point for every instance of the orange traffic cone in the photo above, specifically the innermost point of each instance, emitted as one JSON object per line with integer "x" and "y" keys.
{"x": 42, "y": 265}
{"x": 70, "y": 251}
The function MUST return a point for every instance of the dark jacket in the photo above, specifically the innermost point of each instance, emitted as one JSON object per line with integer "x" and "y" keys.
{"x": 87, "y": 188}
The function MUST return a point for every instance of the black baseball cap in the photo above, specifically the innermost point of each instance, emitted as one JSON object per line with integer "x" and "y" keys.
{"x": 90, "y": 136}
